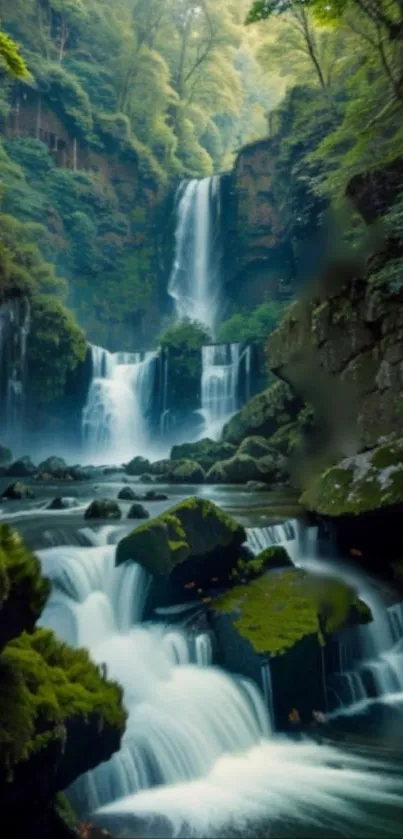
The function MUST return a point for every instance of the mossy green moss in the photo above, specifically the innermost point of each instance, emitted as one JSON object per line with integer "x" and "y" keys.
{"x": 45, "y": 683}
{"x": 250, "y": 569}
{"x": 187, "y": 472}
{"x": 195, "y": 527}
{"x": 359, "y": 484}
{"x": 23, "y": 591}
{"x": 280, "y": 608}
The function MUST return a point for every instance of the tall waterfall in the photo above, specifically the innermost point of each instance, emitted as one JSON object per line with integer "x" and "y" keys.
{"x": 198, "y": 751}
{"x": 14, "y": 330}
{"x": 220, "y": 382}
{"x": 195, "y": 280}
{"x": 115, "y": 423}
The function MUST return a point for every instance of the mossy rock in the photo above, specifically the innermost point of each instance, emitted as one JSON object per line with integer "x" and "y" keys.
{"x": 23, "y": 591}
{"x": 243, "y": 468}
{"x": 45, "y": 686}
{"x": 361, "y": 484}
{"x": 162, "y": 468}
{"x": 206, "y": 452}
{"x": 137, "y": 466}
{"x": 128, "y": 494}
{"x": 187, "y": 472}
{"x": 21, "y": 468}
{"x": 255, "y": 447}
{"x": 54, "y": 466}
{"x": 193, "y": 528}
{"x": 280, "y": 608}
{"x": 103, "y": 508}
{"x": 17, "y": 492}
{"x": 264, "y": 414}
{"x": 137, "y": 511}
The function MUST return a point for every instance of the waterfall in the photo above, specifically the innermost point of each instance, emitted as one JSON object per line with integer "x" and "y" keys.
{"x": 115, "y": 422}
{"x": 195, "y": 279}
{"x": 198, "y": 750}
{"x": 371, "y": 655}
{"x": 220, "y": 380}
{"x": 14, "y": 330}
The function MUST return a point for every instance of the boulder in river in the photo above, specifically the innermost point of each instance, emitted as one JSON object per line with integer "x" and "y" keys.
{"x": 206, "y": 452}
{"x": 137, "y": 466}
{"x": 103, "y": 508}
{"x": 17, "y": 492}
{"x": 264, "y": 414}
{"x": 255, "y": 447}
{"x": 53, "y": 465}
{"x": 21, "y": 468}
{"x": 187, "y": 472}
{"x": 128, "y": 494}
{"x": 243, "y": 468}
{"x": 137, "y": 511}
{"x": 194, "y": 528}
{"x": 154, "y": 495}
{"x": 162, "y": 468}
{"x": 146, "y": 479}
{"x": 62, "y": 504}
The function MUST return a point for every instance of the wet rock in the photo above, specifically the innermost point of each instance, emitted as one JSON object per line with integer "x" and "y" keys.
{"x": 5, "y": 456}
{"x": 62, "y": 504}
{"x": 128, "y": 494}
{"x": 264, "y": 414}
{"x": 103, "y": 508}
{"x": 137, "y": 466}
{"x": 187, "y": 472}
{"x": 162, "y": 468}
{"x": 54, "y": 466}
{"x": 193, "y": 528}
{"x": 257, "y": 486}
{"x": 137, "y": 511}
{"x": 146, "y": 479}
{"x": 255, "y": 447}
{"x": 205, "y": 452}
{"x": 154, "y": 495}
{"x": 17, "y": 492}
{"x": 22, "y": 468}
{"x": 242, "y": 469}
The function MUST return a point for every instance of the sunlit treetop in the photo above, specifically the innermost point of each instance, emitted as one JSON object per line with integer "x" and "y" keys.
{"x": 11, "y": 59}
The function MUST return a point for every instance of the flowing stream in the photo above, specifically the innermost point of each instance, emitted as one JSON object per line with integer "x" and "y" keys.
{"x": 199, "y": 751}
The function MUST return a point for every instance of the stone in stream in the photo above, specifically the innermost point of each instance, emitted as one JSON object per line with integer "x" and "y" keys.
{"x": 187, "y": 472}
{"x": 146, "y": 479}
{"x": 21, "y": 468}
{"x": 62, "y": 504}
{"x": 137, "y": 511}
{"x": 17, "y": 492}
{"x": 128, "y": 494}
{"x": 137, "y": 466}
{"x": 154, "y": 495}
{"x": 103, "y": 508}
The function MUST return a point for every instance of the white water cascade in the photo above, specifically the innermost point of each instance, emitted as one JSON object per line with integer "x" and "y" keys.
{"x": 198, "y": 750}
{"x": 195, "y": 279}
{"x": 115, "y": 422}
{"x": 220, "y": 381}
{"x": 371, "y": 655}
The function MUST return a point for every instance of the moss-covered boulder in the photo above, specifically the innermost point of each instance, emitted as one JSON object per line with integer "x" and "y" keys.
{"x": 137, "y": 466}
{"x": 21, "y": 468}
{"x": 146, "y": 479}
{"x": 23, "y": 591}
{"x": 162, "y": 468}
{"x": 264, "y": 414}
{"x": 206, "y": 452}
{"x": 255, "y": 447}
{"x": 55, "y": 466}
{"x": 59, "y": 718}
{"x": 361, "y": 484}
{"x": 17, "y": 492}
{"x": 5, "y": 456}
{"x": 137, "y": 511}
{"x": 103, "y": 508}
{"x": 243, "y": 468}
{"x": 193, "y": 528}
{"x": 128, "y": 494}
{"x": 280, "y": 608}
{"x": 154, "y": 495}
{"x": 187, "y": 472}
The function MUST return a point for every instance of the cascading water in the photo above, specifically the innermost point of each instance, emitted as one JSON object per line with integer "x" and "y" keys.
{"x": 371, "y": 655}
{"x": 197, "y": 751}
{"x": 14, "y": 330}
{"x": 195, "y": 280}
{"x": 220, "y": 380}
{"x": 115, "y": 422}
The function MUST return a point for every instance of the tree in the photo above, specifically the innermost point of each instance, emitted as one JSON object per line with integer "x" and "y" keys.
{"x": 11, "y": 58}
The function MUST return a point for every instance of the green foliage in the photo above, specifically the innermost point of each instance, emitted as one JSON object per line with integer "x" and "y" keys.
{"x": 11, "y": 58}
{"x": 56, "y": 345}
{"x": 44, "y": 685}
{"x": 257, "y": 324}
{"x": 183, "y": 336}
{"x": 20, "y": 577}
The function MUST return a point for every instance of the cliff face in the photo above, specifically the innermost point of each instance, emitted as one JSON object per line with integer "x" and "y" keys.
{"x": 346, "y": 351}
